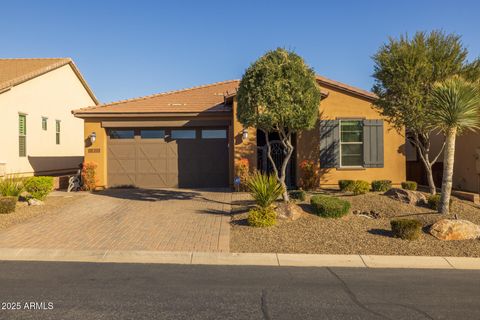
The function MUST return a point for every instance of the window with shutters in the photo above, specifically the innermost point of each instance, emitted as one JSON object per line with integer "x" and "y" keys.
{"x": 22, "y": 135}
{"x": 351, "y": 143}
{"x": 57, "y": 131}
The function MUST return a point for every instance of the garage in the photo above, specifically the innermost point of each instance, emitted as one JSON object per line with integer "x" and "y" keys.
{"x": 168, "y": 157}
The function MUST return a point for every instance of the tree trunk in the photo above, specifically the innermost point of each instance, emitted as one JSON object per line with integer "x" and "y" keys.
{"x": 281, "y": 174}
{"x": 448, "y": 161}
{"x": 423, "y": 148}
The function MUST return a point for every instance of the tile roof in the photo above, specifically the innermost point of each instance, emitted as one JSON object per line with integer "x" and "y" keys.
{"x": 16, "y": 71}
{"x": 206, "y": 98}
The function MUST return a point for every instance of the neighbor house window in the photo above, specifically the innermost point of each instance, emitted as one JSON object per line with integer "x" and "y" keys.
{"x": 122, "y": 134}
{"x": 22, "y": 135}
{"x": 44, "y": 123}
{"x": 351, "y": 143}
{"x": 214, "y": 134}
{"x": 183, "y": 134}
{"x": 57, "y": 131}
{"x": 152, "y": 134}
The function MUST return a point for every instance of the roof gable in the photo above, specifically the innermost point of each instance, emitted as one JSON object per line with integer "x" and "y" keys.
{"x": 16, "y": 71}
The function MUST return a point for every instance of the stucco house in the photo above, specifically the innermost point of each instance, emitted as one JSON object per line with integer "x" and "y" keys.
{"x": 191, "y": 138}
{"x": 38, "y": 133}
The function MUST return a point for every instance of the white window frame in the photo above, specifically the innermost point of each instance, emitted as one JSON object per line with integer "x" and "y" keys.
{"x": 341, "y": 143}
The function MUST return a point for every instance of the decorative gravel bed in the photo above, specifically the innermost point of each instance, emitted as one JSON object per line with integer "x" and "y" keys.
{"x": 352, "y": 234}
{"x": 24, "y": 212}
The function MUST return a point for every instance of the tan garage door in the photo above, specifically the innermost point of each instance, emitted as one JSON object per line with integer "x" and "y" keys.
{"x": 168, "y": 157}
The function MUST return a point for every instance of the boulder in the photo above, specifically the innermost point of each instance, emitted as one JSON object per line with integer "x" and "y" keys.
{"x": 34, "y": 202}
{"x": 288, "y": 211}
{"x": 449, "y": 229}
{"x": 407, "y": 196}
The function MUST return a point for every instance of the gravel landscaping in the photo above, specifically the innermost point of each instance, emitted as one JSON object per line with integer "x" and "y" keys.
{"x": 352, "y": 234}
{"x": 24, "y": 212}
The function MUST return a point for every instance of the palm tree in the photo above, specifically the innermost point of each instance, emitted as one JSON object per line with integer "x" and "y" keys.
{"x": 456, "y": 108}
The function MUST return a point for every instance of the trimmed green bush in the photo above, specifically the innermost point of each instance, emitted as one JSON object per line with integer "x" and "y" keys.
{"x": 264, "y": 189}
{"x": 407, "y": 229}
{"x": 409, "y": 185}
{"x": 360, "y": 187}
{"x": 329, "y": 207}
{"x": 39, "y": 187}
{"x": 298, "y": 195}
{"x": 262, "y": 217}
{"x": 381, "y": 185}
{"x": 346, "y": 185}
{"x": 11, "y": 186}
{"x": 7, "y": 204}
{"x": 433, "y": 201}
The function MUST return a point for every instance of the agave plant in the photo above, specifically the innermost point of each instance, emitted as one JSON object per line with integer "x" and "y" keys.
{"x": 456, "y": 108}
{"x": 264, "y": 189}
{"x": 11, "y": 186}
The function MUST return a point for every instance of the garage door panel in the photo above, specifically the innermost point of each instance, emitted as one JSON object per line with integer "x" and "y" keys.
{"x": 156, "y": 163}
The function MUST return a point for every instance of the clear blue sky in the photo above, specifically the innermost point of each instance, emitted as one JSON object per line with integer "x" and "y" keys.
{"x": 127, "y": 49}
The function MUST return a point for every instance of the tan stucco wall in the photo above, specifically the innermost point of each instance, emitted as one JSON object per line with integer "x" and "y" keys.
{"x": 97, "y": 152}
{"x": 51, "y": 95}
{"x": 339, "y": 104}
{"x": 466, "y": 171}
{"x": 244, "y": 148}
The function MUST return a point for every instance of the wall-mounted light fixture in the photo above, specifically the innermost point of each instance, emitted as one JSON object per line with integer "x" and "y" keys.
{"x": 245, "y": 134}
{"x": 92, "y": 137}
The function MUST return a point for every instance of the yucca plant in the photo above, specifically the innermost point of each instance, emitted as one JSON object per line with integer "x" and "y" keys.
{"x": 11, "y": 186}
{"x": 455, "y": 108}
{"x": 265, "y": 189}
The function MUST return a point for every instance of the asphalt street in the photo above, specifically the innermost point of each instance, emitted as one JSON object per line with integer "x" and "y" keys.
{"x": 61, "y": 290}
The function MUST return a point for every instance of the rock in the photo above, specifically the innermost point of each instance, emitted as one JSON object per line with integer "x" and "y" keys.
{"x": 35, "y": 202}
{"x": 407, "y": 196}
{"x": 449, "y": 229}
{"x": 356, "y": 212}
{"x": 289, "y": 211}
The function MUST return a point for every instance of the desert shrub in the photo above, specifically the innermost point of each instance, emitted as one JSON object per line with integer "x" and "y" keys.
{"x": 346, "y": 185}
{"x": 39, "y": 187}
{"x": 242, "y": 171}
{"x": 329, "y": 207}
{"x": 89, "y": 176}
{"x": 409, "y": 185}
{"x": 262, "y": 217}
{"x": 381, "y": 185}
{"x": 310, "y": 176}
{"x": 360, "y": 187}
{"x": 7, "y": 204}
{"x": 11, "y": 186}
{"x": 433, "y": 201}
{"x": 407, "y": 229}
{"x": 298, "y": 195}
{"x": 264, "y": 189}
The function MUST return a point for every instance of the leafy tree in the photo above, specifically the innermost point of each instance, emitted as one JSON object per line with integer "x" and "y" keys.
{"x": 279, "y": 93}
{"x": 455, "y": 108}
{"x": 405, "y": 72}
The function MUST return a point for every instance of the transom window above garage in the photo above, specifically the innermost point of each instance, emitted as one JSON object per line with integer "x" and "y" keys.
{"x": 214, "y": 134}
{"x": 122, "y": 134}
{"x": 183, "y": 134}
{"x": 152, "y": 134}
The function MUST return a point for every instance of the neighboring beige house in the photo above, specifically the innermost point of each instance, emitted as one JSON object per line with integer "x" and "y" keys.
{"x": 38, "y": 133}
{"x": 466, "y": 171}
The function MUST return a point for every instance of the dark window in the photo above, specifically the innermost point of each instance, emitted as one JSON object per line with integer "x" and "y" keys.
{"x": 44, "y": 123}
{"x": 351, "y": 143}
{"x": 214, "y": 134}
{"x": 57, "y": 131}
{"x": 183, "y": 134}
{"x": 22, "y": 135}
{"x": 152, "y": 134}
{"x": 122, "y": 134}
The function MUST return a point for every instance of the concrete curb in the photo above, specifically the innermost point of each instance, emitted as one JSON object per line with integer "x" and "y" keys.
{"x": 253, "y": 259}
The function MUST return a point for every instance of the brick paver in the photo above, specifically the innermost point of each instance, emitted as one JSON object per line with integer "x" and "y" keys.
{"x": 132, "y": 219}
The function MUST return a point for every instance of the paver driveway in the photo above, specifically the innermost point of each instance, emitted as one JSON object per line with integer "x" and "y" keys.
{"x": 131, "y": 219}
